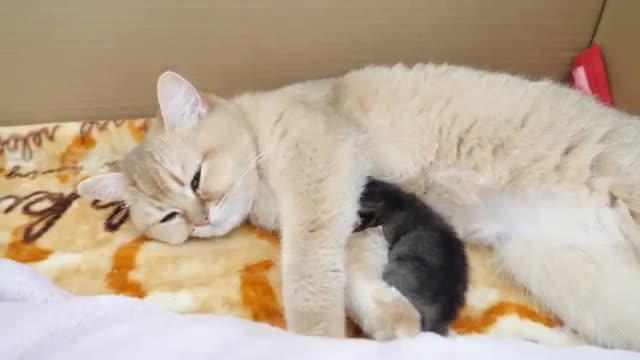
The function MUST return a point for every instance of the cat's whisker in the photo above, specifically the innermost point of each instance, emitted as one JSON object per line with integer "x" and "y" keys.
{"x": 223, "y": 201}
{"x": 244, "y": 173}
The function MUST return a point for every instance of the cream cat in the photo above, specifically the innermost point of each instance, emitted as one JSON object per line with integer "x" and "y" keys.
{"x": 542, "y": 173}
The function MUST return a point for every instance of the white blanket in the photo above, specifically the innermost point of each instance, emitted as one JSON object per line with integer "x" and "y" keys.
{"x": 40, "y": 321}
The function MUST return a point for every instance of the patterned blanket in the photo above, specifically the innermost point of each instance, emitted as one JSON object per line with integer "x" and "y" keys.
{"x": 89, "y": 247}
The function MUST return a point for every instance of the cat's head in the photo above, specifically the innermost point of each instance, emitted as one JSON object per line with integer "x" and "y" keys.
{"x": 196, "y": 172}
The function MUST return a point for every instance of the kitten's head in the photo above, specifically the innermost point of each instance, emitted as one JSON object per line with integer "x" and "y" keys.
{"x": 378, "y": 200}
{"x": 196, "y": 172}
{"x": 371, "y": 206}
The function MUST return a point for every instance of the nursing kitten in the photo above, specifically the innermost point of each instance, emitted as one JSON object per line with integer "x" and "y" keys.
{"x": 547, "y": 176}
{"x": 427, "y": 261}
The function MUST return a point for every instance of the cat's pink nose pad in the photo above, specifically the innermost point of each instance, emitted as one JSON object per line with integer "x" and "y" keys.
{"x": 202, "y": 222}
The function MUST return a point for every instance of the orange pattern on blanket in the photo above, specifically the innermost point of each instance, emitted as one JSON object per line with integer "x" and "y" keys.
{"x": 23, "y": 252}
{"x": 136, "y": 130}
{"x": 466, "y": 324}
{"x": 266, "y": 235}
{"x": 124, "y": 261}
{"x": 74, "y": 153}
{"x": 258, "y": 296}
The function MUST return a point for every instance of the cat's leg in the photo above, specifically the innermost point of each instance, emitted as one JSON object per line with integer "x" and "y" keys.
{"x": 381, "y": 311}
{"x": 313, "y": 243}
{"x": 579, "y": 260}
{"x": 317, "y": 172}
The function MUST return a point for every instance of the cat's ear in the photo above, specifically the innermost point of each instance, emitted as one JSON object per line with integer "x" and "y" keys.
{"x": 105, "y": 187}
{"x": 180, "y": 103}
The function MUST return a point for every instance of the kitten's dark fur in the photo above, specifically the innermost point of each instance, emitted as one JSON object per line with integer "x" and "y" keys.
{"x": 427, "y": 262}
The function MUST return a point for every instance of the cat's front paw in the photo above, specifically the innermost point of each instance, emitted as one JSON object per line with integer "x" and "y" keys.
{"x": 395, "y": 317}
{"x": 206, "y": 231}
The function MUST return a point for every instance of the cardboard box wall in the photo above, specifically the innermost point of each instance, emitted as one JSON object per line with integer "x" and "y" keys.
{"x": 85, "y": 60}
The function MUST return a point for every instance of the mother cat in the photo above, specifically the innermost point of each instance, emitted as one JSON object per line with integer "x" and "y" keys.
{"x": 547, "y": 176}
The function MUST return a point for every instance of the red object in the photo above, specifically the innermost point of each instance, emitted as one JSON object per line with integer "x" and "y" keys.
{"x": 590, "y": 75}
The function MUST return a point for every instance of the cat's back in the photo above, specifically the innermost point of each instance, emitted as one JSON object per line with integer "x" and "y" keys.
{"x": 493, "y": 123}
{"x": 440, "y": 89}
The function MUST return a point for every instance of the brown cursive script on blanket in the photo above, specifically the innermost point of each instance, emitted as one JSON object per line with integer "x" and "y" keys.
{"x": 23, "y": 142}
{"x": 48, "y": 207}
{"x": 16, "y": 172}
{"x": 87, "y": 127}
{"x": 118, "y": 216}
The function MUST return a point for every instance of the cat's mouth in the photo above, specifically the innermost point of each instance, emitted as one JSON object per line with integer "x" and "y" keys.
{"x": 224, "y": 217}
{"x": 219, "y": 225}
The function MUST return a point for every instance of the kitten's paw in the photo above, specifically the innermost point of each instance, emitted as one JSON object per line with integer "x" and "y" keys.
{"x": 395, "y": 318}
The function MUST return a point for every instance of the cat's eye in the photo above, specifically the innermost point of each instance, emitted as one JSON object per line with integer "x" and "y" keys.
{"x": 195, "y": 182}
{"x": 170, "y": 216}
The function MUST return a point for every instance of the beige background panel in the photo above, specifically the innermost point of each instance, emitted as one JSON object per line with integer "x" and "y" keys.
{"x": 619, "y": 36}
{"x": 79, "y": 60}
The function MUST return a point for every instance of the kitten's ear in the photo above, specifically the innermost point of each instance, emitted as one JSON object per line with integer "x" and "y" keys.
{"x": 105, "y": 187}
{"x": 180, "y": 103}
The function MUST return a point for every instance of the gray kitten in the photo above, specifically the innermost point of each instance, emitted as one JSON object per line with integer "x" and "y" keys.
{"x": 427, "y": 261}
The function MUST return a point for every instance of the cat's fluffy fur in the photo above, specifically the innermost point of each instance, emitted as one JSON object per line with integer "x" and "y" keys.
{"x": 546, "y": 175}
{"x": 427, "y": 261}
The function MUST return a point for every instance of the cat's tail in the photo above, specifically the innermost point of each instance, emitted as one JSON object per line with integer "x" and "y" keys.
{"x": 580, "y": 262}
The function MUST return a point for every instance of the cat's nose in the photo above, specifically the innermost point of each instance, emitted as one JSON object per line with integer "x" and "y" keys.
{"x": 203, "y": 221}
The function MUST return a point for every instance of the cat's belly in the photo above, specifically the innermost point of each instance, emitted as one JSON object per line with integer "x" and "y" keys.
{"x": 452, "y": 194}
{"x": 482, "y": 209}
